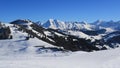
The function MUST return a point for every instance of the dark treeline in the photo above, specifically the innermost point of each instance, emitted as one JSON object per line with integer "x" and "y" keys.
{"x": 5, "y": 32}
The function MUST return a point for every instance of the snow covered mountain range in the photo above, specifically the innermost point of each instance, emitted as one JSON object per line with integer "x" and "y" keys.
{"x": 57, "y": 24}
{"x": 99, "y": 24}
{"x": 57, "y": 44}
{"x": 73, "y": 36}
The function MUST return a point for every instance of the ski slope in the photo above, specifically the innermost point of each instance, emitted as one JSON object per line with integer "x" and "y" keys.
{"x": 101, "y": 59}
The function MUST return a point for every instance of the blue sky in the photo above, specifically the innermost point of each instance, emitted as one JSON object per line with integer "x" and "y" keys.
{"x": 66, "y": 10}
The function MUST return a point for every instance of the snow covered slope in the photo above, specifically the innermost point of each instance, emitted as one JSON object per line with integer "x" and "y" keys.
{"x": 100, "y": 59}
{"x": 18, "y": 44}
{"x": 80, "y": 37}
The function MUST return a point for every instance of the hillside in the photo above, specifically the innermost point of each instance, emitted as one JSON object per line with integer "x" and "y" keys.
{"x": 61, "y": 39}
{"x": 18, "y": 44}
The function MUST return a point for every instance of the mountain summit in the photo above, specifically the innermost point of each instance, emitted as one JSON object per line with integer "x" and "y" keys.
{"x": 57, "y": 24}
{"x": 99, "y": 24}
{"x": 54, "y": 24}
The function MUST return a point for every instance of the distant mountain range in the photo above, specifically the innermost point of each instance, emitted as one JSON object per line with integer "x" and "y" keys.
{"x": 99, "y": 24}
{"x": 57, "y": 24}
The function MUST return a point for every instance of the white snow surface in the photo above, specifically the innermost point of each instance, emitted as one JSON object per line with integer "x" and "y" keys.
{"x": 78, "y": 34}
{"x": 10, "y": 57}
{"x": 19, "y": 43}
{"x": 101, "y": 59}
{"x": 83, "y": 35}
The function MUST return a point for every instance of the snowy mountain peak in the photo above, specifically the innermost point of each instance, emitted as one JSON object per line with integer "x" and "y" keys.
{"x": 57, "y": 24}
{"x": 49, "y": 24}
{"x": 111, "y": 21}
{"x": 20, "y": 21}
{"x": 107, "y": 24}
{"x": 98, "y": 22}
{"x": 54, "y": 24}
{"x": 51, "y": 19}
{"x": 26, "y": 23}
{"x": 83, "y": 22}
